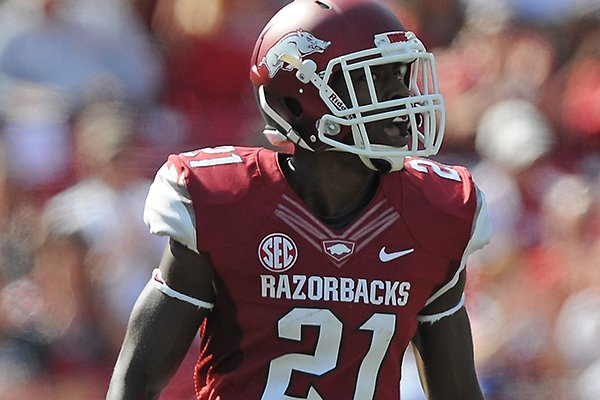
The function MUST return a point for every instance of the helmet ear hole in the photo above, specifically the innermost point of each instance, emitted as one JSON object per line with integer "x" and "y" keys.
{"x": 323, "y": 5}
{"x": 294, "y": 106}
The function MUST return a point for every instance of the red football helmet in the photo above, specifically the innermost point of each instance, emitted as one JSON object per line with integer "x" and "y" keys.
{"x": 309, "y": 42}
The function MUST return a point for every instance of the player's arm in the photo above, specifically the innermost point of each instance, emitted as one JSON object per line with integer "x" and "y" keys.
{"x": 444, "y": 349}
{"x": 443, "y": 343}
{"x": 163, "y": 324}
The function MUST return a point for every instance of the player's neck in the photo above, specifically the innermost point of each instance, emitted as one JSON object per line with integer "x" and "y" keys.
{"x": 335, "y": 186}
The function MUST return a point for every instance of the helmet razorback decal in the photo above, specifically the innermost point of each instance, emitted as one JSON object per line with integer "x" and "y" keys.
{"x": 297, "y": 44}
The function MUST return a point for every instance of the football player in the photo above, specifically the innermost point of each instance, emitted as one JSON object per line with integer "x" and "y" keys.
{"x": 309, "y": 274}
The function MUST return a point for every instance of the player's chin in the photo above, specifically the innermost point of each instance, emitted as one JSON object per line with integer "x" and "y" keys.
{"x": 398, "y": 142}
{"x": 390, "y": 135}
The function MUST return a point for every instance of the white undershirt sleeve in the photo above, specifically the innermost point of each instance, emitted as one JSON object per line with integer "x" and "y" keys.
{"x": 168, "y": 210}
{"x": 160, "y": 284}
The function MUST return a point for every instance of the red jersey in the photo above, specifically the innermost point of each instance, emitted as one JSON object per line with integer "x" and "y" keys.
{"x": 303, "y": 311}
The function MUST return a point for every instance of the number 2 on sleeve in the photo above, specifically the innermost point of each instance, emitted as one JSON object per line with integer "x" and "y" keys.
{"x": 220, "y": 159}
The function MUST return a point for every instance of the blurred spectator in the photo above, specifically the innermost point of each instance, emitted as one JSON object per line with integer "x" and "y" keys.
{"x": 104, "y": 208}
{"x": 37, "y": 138}
{"x": 436, "y": 22}
{"x": 69, "y": 54}
{"x": 513, "y": 140}
{"x": 207, "y": 46}
{"x": 22, "y": 345}
{"x": 96, "y": 256}
{"x": 85, "y": 49}
{"x": 494, "y": 58}
{"x": 581, "y": 98}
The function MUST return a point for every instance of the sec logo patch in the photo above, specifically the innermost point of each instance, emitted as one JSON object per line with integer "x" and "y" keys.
{"x": 277, "y": 252}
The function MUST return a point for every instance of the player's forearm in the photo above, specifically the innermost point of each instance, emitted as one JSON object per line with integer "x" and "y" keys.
{"x": 140, "y": 374}
{"x": 444, "y": 356}
{"x": 473, "y": 393}
{"x": 154, "y": 346}
{"x": 134, "y": 379}
{"x": 450, "y": 384}
{"x": 124, "y": 387}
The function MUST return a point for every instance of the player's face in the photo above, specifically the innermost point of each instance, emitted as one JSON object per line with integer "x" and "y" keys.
{"x": 390, "y": 83}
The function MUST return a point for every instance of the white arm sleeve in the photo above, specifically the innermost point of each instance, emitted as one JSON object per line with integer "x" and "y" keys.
{"x": 168, "y": 210}
{"x": 480, "y": 236}
{"x": 433, "y": 318}
{"x": 160, "y": 284}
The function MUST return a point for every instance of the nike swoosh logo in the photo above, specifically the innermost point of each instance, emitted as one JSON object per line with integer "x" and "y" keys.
{"x": 385, "y": 257}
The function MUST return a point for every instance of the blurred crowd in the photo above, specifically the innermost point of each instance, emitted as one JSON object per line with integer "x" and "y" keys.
{"x": 95, "y": 94}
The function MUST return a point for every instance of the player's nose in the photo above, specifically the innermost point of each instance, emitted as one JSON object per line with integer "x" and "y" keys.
{"x": 393, "y": 88}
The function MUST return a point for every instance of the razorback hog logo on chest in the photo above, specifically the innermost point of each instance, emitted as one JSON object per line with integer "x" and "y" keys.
{"x": 338, "y": 249}
{"x": 297, "y": 44}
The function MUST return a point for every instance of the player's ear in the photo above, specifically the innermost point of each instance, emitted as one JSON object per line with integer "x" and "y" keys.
{"x": 294, "y": 106}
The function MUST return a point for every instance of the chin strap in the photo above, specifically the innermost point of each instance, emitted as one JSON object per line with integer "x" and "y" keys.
{"x": 394, "y": 163}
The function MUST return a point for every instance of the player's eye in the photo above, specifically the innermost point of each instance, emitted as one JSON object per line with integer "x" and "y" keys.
{"x": 361, "y": 75}
{"x": 400, "y": 71}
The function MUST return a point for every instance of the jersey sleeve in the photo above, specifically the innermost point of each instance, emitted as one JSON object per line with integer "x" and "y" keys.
{"x": 169, "y": 210}
{"x": 480, "y": 236}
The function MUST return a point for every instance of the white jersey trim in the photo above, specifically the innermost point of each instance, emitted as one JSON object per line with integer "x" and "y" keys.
{"x": 432, "y": 318}
{"x": 160, "y": 284}
{"x": 169, "y": 210}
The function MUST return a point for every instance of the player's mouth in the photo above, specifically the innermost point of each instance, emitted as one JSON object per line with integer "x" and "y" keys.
{"x": 396, "y": 131}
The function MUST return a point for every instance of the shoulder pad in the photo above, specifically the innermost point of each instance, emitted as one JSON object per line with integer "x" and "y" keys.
{"x": 438, "y": 203}
{"x": 229, "y": 188}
